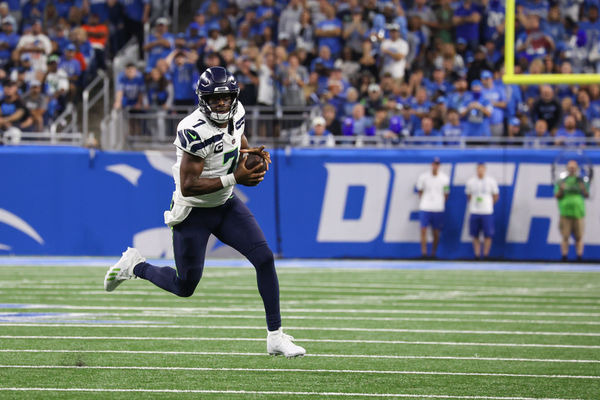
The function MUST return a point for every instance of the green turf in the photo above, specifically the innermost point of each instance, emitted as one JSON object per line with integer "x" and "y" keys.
{"x": 434, "y": 334}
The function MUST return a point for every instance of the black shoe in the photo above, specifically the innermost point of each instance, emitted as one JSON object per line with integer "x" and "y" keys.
{"x": 579, "y": 258}
{"x": 564, "y": 258}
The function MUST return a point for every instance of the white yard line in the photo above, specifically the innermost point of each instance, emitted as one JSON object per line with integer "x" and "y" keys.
{"x": 302, "y": 328}
{"x": 182, "y": 309}
{"x": 242, "y": 300}
{"x": 274, "y": 393}
{"x": 320, "y": 370}
{"x": 237, "y": 339}
{"x": 260, "y": 316}
{"x": 367, "y": 356}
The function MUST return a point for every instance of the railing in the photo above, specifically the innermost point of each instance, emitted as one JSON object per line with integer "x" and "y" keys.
{"x": 88, "y": 103}
{"x": 154, "y": 128}
{"x": 63, "y": 131}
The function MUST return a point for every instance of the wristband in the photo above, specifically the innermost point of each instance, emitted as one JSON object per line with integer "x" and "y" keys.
{"x": 228, "y": 180}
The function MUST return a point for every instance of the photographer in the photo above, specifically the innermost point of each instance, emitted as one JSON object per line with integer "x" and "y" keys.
{"x": 571, "y": 192}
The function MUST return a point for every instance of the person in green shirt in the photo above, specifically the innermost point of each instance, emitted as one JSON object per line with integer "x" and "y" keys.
{"x": 571, "y": 192}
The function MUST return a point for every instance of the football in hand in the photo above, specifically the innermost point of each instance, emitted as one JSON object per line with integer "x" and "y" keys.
{"x": 252, "y": 160}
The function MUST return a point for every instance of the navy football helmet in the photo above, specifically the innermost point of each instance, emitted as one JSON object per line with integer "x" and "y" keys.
{"x": 214, "y": 84}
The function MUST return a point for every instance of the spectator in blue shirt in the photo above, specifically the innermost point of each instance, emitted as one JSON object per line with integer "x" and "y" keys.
{"x": 457, "y": 97}
{"x": 420, "y": 107}
{"x": 476, "y": 112}
{"x": 130, "y": 88}
{"x": 553, "y": 26}
{"x": 98, "y": 7}
{"x": 358, "y": 124}
{"x": 329, "y": 31}
{"x": 427, "y": 130}
{"x": 514, "y": 128}
{"x": 183, "y": 75}
{"x": 494, "y": 20}
{"x": 159, "y": 91}
{"x": 160, "y": 43}
{"x": 569, "y": 135}
{"x": 466, "y": 20}
{"x": 8, "y": 40}
{"x": 497, "y": 98}
{"x": 453, "y": 128}
{"x": 539, "y": 134}
{"x": 319, "y": 135}
{"x": 438, "y": 85}
{"x": 73, "y": 69}
{"x": 135, "y": 14}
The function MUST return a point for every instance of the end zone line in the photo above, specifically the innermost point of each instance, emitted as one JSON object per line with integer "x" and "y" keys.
{"x": 371, "y": 356}
{"x": 276, "y": 393}
{"x": 320, "y": 370}
{"x": 238, "y": 339}
{"x": 301, "y": 328}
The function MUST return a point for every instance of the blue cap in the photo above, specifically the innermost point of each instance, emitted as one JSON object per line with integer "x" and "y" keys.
{"x": 461, "y": 41}
{"x": 486, "y": 75}
{"x": 476, "y": 82}
{"x": 440, "y": 100}
{"x": 514, "y": 121}
{"x": 70, "y": 47}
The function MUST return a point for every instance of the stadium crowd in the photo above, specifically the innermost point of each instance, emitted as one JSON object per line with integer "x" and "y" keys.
{"x": 387, "y": 68}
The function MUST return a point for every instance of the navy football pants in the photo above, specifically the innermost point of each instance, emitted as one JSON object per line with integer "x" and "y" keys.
{"x": 233, "y": 224}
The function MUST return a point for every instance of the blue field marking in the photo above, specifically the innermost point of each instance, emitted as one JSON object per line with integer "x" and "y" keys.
{"x": 59, "y": 317}
{"x": 105, "y": 262}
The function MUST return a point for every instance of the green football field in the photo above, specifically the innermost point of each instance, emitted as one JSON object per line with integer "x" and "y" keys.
{"x": 377, "y": 333}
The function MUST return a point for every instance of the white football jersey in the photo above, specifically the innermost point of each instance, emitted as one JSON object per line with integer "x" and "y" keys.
{"x": 219, "y": 149}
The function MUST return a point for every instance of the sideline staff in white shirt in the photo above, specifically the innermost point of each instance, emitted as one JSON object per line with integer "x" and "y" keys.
{"x": 482, "y": 193}
{"x": 433, "y": 187}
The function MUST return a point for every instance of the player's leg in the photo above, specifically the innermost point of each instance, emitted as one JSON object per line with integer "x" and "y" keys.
{"x": 488, "y": 232}
{"x": 424, "y": 221}
{"x": 189, "y": 246}
{"x": 578, "y": 226}
{"x": 437, "y": 225}
{"x": 240, "y": 230}
{"x": 565, "y": 232}
{"x": 474, "y": 230}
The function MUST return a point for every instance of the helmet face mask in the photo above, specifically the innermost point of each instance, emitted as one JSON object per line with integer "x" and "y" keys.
{"x": 218, "y": 92}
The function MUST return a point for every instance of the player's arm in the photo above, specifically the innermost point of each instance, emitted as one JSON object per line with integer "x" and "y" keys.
{"x": 189, "y": 174}
{"x": 192, "y": 184}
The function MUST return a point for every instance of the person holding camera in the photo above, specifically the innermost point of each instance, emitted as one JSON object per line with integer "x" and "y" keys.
{"x": 571, "y": 192}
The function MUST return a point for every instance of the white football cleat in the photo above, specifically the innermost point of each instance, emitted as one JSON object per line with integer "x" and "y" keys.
{"x": 280, "y": 343}
{"x": 123, "y": 269}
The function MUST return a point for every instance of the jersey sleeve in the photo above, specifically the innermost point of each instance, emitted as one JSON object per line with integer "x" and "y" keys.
{"x": 190, "y": 140}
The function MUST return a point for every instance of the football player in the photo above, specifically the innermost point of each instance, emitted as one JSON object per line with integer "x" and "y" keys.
{"x": 209, "y": 142}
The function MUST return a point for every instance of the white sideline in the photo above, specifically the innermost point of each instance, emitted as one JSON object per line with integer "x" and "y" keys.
{"x": 227, "y": 339}
{"x": 176, "y": 314}
{"x": 310, "y": 310}
{"x": 333, "y": 371}
{"x": 302, "y": 328}
{"x": 254, "y": 392}
{"x": 371, "y": 356}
